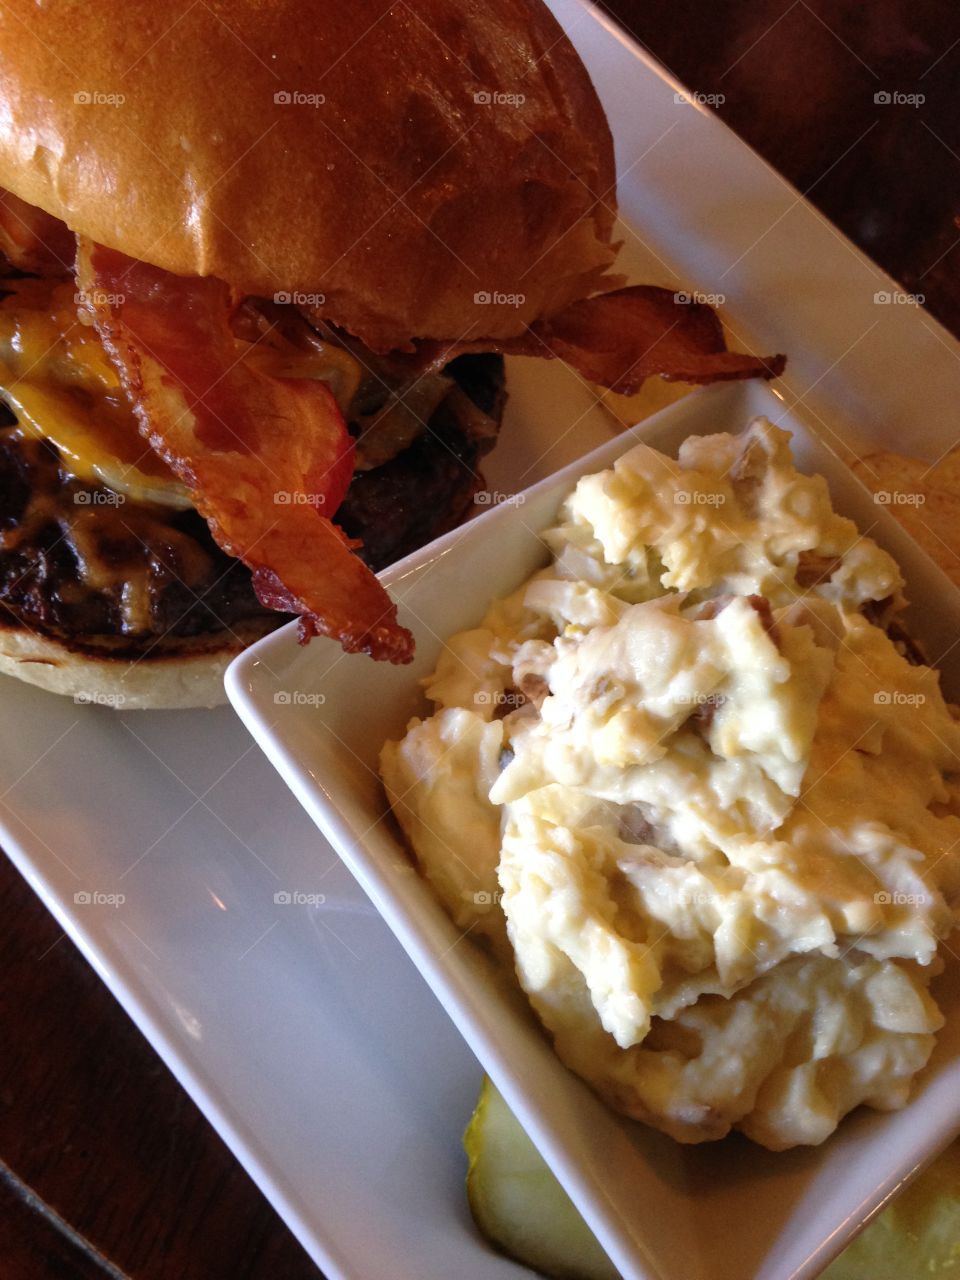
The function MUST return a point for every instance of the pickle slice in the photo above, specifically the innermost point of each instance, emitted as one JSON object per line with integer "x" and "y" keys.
{"x": 519, "y": 1206}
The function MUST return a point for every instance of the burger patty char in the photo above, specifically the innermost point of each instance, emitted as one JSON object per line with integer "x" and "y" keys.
{"x": 80, "y": 563}
{"x": 429, "y": 487}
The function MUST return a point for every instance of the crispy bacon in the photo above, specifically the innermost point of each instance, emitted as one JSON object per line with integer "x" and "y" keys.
{"x": 32, "y": 240}
{"x": 616, "y": 339}
{"x": 264, "y": 456}
{"x": 620, "y": 339}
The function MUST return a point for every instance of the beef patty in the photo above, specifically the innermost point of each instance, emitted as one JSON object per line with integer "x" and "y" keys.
{"x": 100, "y": 573}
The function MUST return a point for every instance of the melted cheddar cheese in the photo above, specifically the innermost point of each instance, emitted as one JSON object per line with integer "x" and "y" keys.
{"x": 58, "y": 381}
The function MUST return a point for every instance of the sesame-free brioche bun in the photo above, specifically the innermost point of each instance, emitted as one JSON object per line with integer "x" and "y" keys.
{"x": 181, "y": 673}
{"x": 441, "y": 169}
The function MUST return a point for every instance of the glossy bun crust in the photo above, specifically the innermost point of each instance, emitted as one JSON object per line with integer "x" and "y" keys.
{"x": 179, "y": 674}
{"x": 441, "y": 169}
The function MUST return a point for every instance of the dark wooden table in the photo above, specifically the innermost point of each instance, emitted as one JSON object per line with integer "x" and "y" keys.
{"x": 106, "y": 1167}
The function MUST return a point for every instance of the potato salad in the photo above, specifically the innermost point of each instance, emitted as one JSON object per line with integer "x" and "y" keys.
{"x": 693, "y": 784}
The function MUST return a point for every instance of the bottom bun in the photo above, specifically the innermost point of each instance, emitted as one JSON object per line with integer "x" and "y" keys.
{"x": 186, "y": 673}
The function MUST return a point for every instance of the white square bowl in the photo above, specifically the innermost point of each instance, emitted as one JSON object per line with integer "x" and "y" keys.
{"x": 726, "y": 1211}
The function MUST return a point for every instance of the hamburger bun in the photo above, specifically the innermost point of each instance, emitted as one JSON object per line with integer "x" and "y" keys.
{"x": 181, "y": 673}
{"x": 405, "y": 165}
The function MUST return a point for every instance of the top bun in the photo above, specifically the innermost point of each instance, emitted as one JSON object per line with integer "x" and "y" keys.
{"x": 405, "y": 162}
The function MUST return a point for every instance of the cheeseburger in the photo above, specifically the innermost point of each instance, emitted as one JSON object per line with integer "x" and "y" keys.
{"x": 261, "y": 262}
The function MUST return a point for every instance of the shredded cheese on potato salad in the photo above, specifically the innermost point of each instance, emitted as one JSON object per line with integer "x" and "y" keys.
{"x": 689, "y": 781}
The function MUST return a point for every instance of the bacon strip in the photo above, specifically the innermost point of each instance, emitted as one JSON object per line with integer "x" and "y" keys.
{"x": 620, "y": 339}
{"x": 264, "y": 456}
{"x": 616, "y": 339}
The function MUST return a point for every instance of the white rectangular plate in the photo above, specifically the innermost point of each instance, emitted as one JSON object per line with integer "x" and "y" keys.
{"x": 306, "y": 1036}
